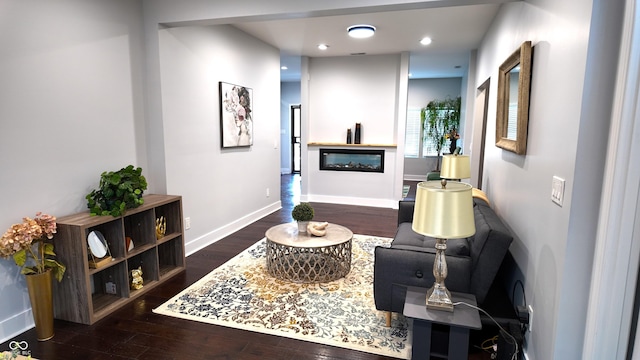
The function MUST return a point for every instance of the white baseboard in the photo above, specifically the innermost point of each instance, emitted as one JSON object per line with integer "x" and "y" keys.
{"x": 19, "y": 323}
{"x": 410, "y": 177}
{"x": 205, "y": 240}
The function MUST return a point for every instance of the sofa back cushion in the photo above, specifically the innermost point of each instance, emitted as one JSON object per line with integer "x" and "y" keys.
{"x": 408, "y": 239}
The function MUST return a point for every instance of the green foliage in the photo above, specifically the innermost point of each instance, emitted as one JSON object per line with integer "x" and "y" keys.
{"x": 20, "y": 257}
{"x": 119, "y": 191}
{"x": 438, "y": 118}
{"x": 302, "y": 212}
{"x": 39, "y": 264}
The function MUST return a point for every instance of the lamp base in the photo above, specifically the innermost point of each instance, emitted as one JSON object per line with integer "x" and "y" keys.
{"x": 439, "y": 298}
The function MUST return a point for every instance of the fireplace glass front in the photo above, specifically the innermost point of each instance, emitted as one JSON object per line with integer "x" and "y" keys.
{"x": 352, "y": 160}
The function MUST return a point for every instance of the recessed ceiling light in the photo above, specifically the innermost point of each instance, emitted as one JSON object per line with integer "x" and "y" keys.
{"x": 323, "y": 46}
{"x": 283, "y": 67}
{"x": 425, "y": 40}
{"x": 361, "y": 31}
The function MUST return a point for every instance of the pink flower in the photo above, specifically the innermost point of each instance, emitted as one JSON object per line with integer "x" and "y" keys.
{"x": 26, "y": 243}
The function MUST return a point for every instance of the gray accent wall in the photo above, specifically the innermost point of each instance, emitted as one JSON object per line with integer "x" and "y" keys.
{"x": 223, "y": 190}
{"x": 553, "y": 249}
{"x": 71, "y": 107}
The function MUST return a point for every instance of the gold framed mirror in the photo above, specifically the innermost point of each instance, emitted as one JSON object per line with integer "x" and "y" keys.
{"x": 512, "y": 118}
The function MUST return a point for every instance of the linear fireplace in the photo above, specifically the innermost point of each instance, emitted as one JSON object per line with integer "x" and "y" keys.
{"x": 352, "y": 160}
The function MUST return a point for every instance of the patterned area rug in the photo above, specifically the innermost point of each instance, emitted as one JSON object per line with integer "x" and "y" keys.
{"x": 241, "y": 294}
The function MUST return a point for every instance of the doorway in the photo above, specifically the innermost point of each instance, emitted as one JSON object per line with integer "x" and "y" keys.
{"x": 479, "y": 133}
{"x": 295, "y": 140}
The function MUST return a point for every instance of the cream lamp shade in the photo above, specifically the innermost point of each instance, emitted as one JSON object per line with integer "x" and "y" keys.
{"x": 444, "y": 213}
{"x": 455, "y": 167}
{"x": 443, "y": 210}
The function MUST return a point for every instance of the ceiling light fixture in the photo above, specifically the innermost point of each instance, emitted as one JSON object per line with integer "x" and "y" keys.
{"x": 283, "y": 67}
{"x": 361, "y": 31}
{"x": 323, "y": 46}
{"x": 425, "y": 40}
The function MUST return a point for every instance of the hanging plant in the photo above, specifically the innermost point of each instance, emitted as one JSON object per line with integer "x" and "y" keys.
{"x": 119, "y": 190}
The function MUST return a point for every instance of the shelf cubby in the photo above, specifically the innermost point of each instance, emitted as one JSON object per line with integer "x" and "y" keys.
{"x": 148, "y": 262}
{"x": 171, "y": 213}
{"x": 141, "y": 228}
{"x": 113, "y": 233}
{"x": 170, "y": 256}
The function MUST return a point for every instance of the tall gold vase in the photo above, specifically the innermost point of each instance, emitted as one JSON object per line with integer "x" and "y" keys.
{"x": 41, "y": 296}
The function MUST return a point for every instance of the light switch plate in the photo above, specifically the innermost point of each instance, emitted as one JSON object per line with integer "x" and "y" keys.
{"x": 557, "y": 190}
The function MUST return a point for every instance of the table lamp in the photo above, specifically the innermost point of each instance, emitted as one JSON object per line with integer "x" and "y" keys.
{"x": 443, "y": 211}
{"x": 455, "y": 167}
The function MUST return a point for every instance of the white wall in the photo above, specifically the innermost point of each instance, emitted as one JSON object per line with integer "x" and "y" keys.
{"x": 345, "y": 91}
{"x": 421, "y": 92}
{"x": 520, "y": 186}
{"x": 71, "y": 107}
{"x": 350, "y": 90}
{"x": 289, "y": 95}
{"x": 222, "y": 190}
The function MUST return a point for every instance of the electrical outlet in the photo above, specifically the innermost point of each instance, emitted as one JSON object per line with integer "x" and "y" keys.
{"x": 187, "y": 223}
{"x": 530, "y": 326}
{"x": 268, "y": 193}
{"x": 557, "y": 190}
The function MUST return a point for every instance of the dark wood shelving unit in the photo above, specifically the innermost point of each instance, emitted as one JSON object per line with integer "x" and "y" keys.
{"x": 82, "y": 295}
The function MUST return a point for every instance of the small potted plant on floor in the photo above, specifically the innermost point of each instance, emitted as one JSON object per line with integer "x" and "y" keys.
{"x": 302, "y": 213}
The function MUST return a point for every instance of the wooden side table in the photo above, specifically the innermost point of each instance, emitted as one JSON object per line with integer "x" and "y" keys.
{"x": 460, "y": 321}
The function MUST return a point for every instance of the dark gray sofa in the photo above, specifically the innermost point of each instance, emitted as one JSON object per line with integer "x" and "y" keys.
{"x": 472, "y": 262}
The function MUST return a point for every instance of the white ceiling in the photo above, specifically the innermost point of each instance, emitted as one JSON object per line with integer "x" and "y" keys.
{"x": 455, "y": 32}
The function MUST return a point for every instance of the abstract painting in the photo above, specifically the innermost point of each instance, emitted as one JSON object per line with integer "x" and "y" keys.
{"x": 236, "y": 117}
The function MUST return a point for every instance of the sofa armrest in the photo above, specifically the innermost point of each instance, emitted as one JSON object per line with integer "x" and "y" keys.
{"x": 405, "y": 211}
{"x": 488, "y": 264}
{"x": 395, "y": 269}
{"x": 491, "y": 244}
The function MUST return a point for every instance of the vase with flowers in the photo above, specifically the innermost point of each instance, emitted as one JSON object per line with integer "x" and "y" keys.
{"x": 30, "y": 245}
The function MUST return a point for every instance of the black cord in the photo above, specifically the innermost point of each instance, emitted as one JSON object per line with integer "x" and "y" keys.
{"x": 515, "y": 342}
{"x": 523, "y": 328}
{"x": 513, "y": 295}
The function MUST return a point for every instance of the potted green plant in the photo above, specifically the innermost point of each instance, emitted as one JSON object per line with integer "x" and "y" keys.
{"x": 441, "y": 120}
{"x": 302, "y": 213}
{"x": 119, "y": 190}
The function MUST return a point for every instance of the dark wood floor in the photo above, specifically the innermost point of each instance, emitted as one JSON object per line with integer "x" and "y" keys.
{"x": 134, "y": 332}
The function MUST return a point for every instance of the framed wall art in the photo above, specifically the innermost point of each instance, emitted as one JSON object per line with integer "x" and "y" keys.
{"x": 236, "y": 116}
{"x": 512, "y": 118}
